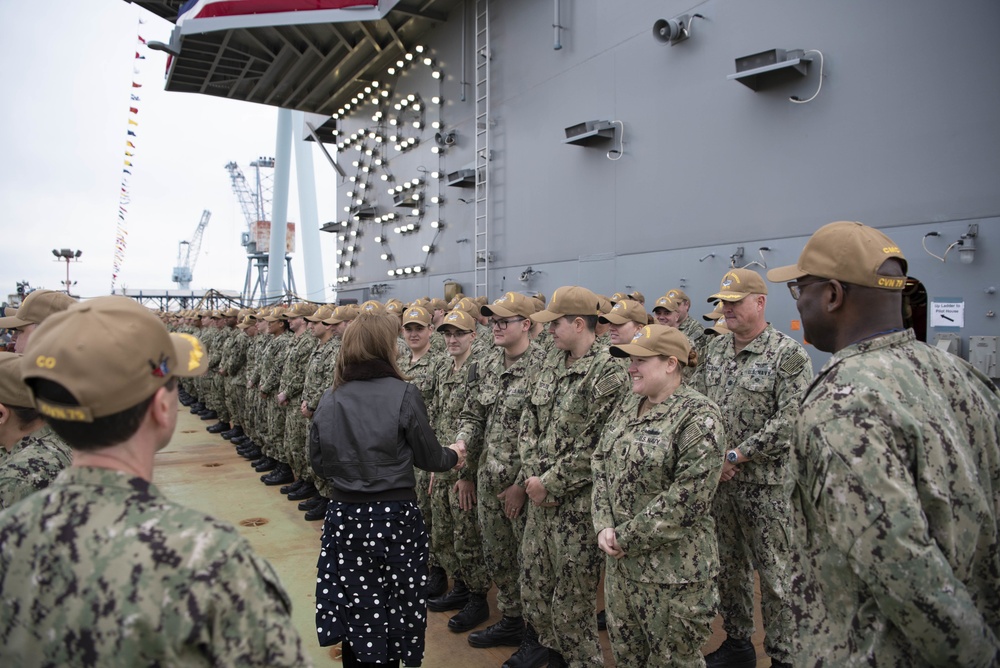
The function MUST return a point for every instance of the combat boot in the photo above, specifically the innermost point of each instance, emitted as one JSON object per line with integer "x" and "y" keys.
{"x": 197, "y": 407}
{"x": 251, "y": 452}
{"x": 309, "y": 504}
{"x": 319, "y": 512}
{"x": 733, "y": 653}
{"x": 208, "y": 415}
{"x": 265, "y": 464}
{"x": 279, "y": 476}
{"x": 531, "y": 654}
{"x": 508, "y": 632}
{"x": 233, "y": 433}
{"x": 437, "y": 582}
{"x": 475, "y": 612}
{"x": 217, "y": 428}
{"x": 453, "y": 600}
{"x": 557, "y": 660}
{"x": 293, "y": 486}
{"x": 305, "y": 491}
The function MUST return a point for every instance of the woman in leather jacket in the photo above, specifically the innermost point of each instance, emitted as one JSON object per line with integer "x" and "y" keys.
{"x": 368, "y": 432}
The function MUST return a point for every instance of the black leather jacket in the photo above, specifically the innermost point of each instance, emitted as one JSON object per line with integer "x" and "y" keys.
{"x": 367, "y": 436}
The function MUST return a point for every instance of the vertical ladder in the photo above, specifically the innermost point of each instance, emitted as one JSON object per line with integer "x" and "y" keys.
{"x": 483, "y": 156}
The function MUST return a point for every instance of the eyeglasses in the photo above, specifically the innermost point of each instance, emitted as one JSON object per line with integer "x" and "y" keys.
{"x": 795, "y": 287}
{"x": 455, "y": 334}
{"x": 502, "y": 324}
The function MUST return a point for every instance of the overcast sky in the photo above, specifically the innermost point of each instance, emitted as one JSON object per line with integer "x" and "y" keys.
{"x": 66, "y": 82}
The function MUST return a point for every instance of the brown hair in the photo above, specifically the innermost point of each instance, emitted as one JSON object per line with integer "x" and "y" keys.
{"x": 370, "y": 337}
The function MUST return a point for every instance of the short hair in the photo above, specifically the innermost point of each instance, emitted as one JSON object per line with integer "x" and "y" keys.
{"x": 25, "y": 415}
{"x": 371, "y": 336}
{"x": 103, "y": 431}
{"x": 589, "y": 320}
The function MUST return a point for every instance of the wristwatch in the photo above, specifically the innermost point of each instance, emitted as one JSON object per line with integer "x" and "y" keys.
{"x": 732, "y": 456}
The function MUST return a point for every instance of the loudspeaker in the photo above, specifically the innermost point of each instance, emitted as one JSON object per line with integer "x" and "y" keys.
{"x": 671, "y": 31}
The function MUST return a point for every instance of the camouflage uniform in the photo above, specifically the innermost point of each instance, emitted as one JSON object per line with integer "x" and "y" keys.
{"x": 209, "y": 341}
{"x": 421, "y": 374}
{"x": 101, "y": 569}
{"x": 32, "y": 464}
{"x": 455, "y": 539}
{"x": 896, "y": 510}
{"x": 232, "y": 361}
{"x": 695, "y": 332}
{"x": 654, "y": 479}
{"x": 270, "y": 379}
{"x": 758, "y": 391}
{"x": 293, "y": 375}
{"x": 562, "y": 563}
{"x": 319, "y": 378}
{"x": 256, "y": 424}
{"x": 214, "y": 387}
{"x": 489, "y": 424}
{"x": 236, "y": 377}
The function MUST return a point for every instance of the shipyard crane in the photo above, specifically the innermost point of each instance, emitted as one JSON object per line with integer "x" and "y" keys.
{"x": 255, "y": 202}
{"x": 187, "y": 254}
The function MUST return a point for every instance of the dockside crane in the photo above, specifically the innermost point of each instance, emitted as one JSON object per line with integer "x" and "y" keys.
{"x": 187, "y": 254}
{"x": 255, "y": 201}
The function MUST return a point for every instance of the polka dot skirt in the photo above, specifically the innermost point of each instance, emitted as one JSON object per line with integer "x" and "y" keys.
{"x": 372, "y": 572}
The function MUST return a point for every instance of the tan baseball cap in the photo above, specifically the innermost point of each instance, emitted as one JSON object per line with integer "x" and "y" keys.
{"x": 436, "y": 305}
{"x": 624, "y": 311}
{"x": 459, "y": 320}
{"x": 13, "y": 391}
{"x": 847, "y": 251}
{"x": 666, "y": 302}
{"x": 36, "y": 307}
{"x": 110, "y": 353}
{"x": 275, "y": 314}
{"x": 466, "y": 304}
{"x": 299, "y": 310}
{"x": 372, "y": 306}
{"x": 394, "y": 307}
{"x": 678, "y": 295}
{"x": 231, "y": 312}
{"x": 740, "y": 283}
{"x": 322, "y": 313}
{"x": 511, "y": 305}
{"x": 569, "y": 300}
{"x": 617, "y": 297}
{"x": 417, "y": 315}
{"x": 341, "y": 314}
{"x": 715, "y": 314}
{"x": 654, "y": 340}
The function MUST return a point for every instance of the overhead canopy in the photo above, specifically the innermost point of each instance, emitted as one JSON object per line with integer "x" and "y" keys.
{"x": 313, "y": 59}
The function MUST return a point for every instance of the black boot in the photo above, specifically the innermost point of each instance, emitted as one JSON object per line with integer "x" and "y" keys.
{"x": 208, "y": 415}
{"x": 453, "y": 600}
{"x": 252, "y": 453}
{"x": 197, "y": 407}
{"x": 475, "y": 612}
{"x": 233, "y": 433}
{"x": 309, "y": 504}
{"x": 295, "y": 485}
{"x": 437, "y": 582}
{"x": 240, "y": 440}
{"x": 531, "y": 654}
{"x": 319, "y": 512}
{"x": 508, "y": 632}
{"x": 265, "y": 464}
{"x": 217, "y": 428}
{"x": 556, "y": 660}
{"x": 279, "y": 476}
{"x": 733, "y": 653}
{"x": 305, "y": 491}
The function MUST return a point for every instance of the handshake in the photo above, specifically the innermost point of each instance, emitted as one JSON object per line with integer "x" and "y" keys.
{"x": 459, "y": 448}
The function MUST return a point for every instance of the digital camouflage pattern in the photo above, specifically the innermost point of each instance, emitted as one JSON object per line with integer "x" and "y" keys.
{"x": 896, "y": 507}
{"x": 32, "y": 464}
{"x": 559, "y": 430}
{"x": 270, "y": 379}
{"x": 455, "y": 537}
{"x": 489, "y": 424}
{"x": 319, "y": 377}
{"x": 758, "y": 392}
{"x": 233, "y": 364}
{"x": 101, "y": 569}
{"x": 654, "y": 479}
{"x": 292, "y": 383}
{"x": 421, "y": 374}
